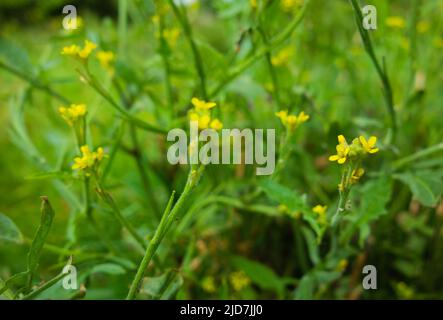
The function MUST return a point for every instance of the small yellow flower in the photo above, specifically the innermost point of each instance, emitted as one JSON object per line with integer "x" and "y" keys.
{"x": 282, "y": 57}
{"x": 171, "y": 36}
{"x": 74, "y": 23}
{"x": 291, "y": 121}
{"x": 395, "y": 22}
{"x": 216, "y": 124}
{"x": 89, "y": 159}
{"x": 202, "y": 105}
{"x": 290, "y": 5}
{"x": 71, "y": 50}
{"x": 253, "y": 4}
{"x": 239, "y": 280}
{"x": 77, "y": 52}
{"x": 342, "y": 265}
{"x": 356, "y": 175}
{"x": 87, "y": 49}
{"x": 423, "y": 26}
{"x": 369, "y": 146}
{"x": 208, "y": 284}
{"x": 342, "y": 151}
{"x": 320, "y": 211}
{"x": 106, "y": 58}
{"x": 203, "y": 121}
{"x": 73, "y": 113}
{"x": 302, "y": 117}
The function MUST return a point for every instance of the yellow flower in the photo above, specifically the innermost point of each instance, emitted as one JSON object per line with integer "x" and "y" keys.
{"x": 395, "y": 22}
{"x": 342, "y": 265}
{"x": 356, "y": 175}
{"x": 203, "y": 121}
{"x": 73, "y": 113}
{"x": 88, "y": 159}
{"x": 106, "y": 58}
{"x": 369, "y": 146}
{"x": 202, "y": 105}
{"x": 282, "y": 57}
{"x": 423, "y": 26}
{"x": 239, "y": 280}
{"x": 290, "y": 5}
{"x": 216, "y": 124}
{"x": 208, "y": 285}
{"x": 87, "y": 49}
{"x": 302, "y": 117}
{"x": 71, "y": 50}
{"x": 320, "y": 211}
{"x": 342, "y": 151}
{"x": 253, "y": 4}
{"x": 291, "y": 121}
{"x": 70, "y": 25}
{"x": 171, "y": 36}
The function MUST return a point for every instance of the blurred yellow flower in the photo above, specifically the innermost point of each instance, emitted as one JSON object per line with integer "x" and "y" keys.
{"x": 106, "y": 58}
{"x": 208, "y": 284}
{"x": 239, "y": 280}
{"x": 290, "y": 5}
{"x": 283, "y": 56}
{"x": 369, "y": 145}
{"x": 73, "y": 113}
{"x": 292, "y": 121}
{"x": 216, "y": 124}
{"x": 171, "y": 36}
{"x": 76, "y": 51}
{"x": 342, "y": 265}
{"x": 356, "y": 175}
{"x": 202, "y": 105}
{"x": 423, "y": 26}
{"x": 396, "y": 22}
{"x": 89, "y": 159}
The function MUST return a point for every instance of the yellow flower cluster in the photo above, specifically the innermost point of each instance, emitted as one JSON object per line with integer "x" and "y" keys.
{"x": 208, "y": 284}
{"x": 396, "y": 22}
{"x": 282, "y": 57}
{"x": 74, "y": 23}
{"x": 239, "y": 280}
{"x": 291, "y": 121}
{"x": 89, "y": 159}
{"x": 201, "y": 113}
{"x": 320, "y": 212}
{"x": 171, "y": 35}
{"x": 73, "y": 113}
{"x": 359, "y": 147}
{"x": 106, "y": 58}
{"x": 77, "y": 52}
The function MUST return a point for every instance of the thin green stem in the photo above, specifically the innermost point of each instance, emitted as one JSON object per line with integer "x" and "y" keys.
{"x": 380, "y": 67}
{"x": 35, "y": 83}
{"x": 44, "y": 287}
{"x": 198, "y": 62}
{"x": 169, "y": 216}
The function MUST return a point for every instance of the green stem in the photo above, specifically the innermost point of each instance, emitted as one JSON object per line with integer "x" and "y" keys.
{"x": 420, "y": 154}
{"x": 259, "y": 53}
{"x": 169, "y": 216}
{"x": 380, "y": 67}
{"x": 35, "y": 83}
{"x": 44, "y": 287}
{"x": 198, "y": 62}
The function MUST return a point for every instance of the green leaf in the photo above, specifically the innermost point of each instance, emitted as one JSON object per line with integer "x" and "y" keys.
{"x": 47, "y": 216}
{"x": 312, "y": 245}
{"x": 9, "y": 231}
{"x": 259, "y": 273}
{"x": 426, "y": 186}
{"x": 374, "y": 196}
{"x": 15, "y": 56}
